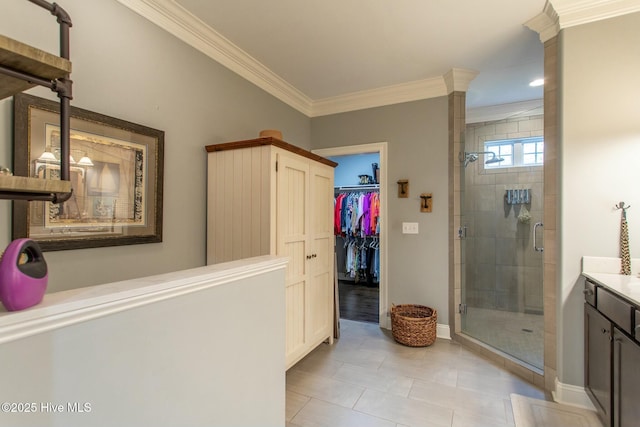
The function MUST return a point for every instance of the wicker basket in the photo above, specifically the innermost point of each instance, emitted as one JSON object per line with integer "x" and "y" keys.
{"x": 413, "y": 325}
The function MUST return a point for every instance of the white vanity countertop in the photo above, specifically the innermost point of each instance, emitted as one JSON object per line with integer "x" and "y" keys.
{"x": 606, "y": 272}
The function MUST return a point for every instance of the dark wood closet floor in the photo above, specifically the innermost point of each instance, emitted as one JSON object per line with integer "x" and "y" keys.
{"x": 358, "y": 301}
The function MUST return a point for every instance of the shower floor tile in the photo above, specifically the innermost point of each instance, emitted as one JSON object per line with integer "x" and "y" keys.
{"x": 519, "y": 334}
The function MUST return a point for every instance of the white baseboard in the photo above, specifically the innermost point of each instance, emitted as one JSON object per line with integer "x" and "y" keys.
{"x": 443, "y": 331}
{"x": 568, "y": 394}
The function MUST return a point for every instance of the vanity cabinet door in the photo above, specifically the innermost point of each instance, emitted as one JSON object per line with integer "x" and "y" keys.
{"x": 597, "y": 366}
{"x": 626, "y": 380}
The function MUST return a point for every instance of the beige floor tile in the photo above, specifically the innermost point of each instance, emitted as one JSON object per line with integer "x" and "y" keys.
{"x": 374, "y": 379}
{"x": 476, "y": 404}
{"x": 323, "y": 388}
{"x": 435, "y": 393}
{"x": 464, "y": 403}
{"x": 404, "y": 410}
{"x": 318, "y": 363}
{"x": 464, "y": 420}
{"x": 367, "y": 379}
{"x": 358, "y": 356}
{"x": 442, "y": 374}
{"x": 294, "y": 403}
{"x": 500, "y": 386}
{"x": 322, "y": 414}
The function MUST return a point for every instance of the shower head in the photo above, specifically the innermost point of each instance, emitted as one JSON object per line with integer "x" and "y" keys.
{"x": 470, "y": 157}
{"x": 493, "y": 159}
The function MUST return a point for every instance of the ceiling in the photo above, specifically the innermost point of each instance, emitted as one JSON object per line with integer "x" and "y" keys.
{"x": 323, "y": 57}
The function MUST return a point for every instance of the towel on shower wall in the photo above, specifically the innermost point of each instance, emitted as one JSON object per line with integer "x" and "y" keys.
{"x": 625, "y": 257}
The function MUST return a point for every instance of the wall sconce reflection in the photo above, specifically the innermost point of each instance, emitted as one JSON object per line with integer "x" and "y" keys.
{"x": 49, "y": 161}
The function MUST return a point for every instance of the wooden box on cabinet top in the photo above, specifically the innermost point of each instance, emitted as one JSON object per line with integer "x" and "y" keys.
{"x": 266, "y": 196}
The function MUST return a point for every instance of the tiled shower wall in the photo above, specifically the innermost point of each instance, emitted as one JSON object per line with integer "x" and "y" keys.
{"x": 501, "y": 269}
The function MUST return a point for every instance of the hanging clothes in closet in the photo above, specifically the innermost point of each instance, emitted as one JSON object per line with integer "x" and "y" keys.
{"x": 357, "y": 221}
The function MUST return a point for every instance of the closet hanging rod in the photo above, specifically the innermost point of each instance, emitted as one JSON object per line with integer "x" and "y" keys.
{"x": 358, "y": 187}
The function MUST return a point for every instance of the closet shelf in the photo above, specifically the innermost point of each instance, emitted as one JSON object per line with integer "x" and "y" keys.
{"x": 20, "y": 57}
{"x": 357, "y": 187}
{"x": 19, "y": 184}
{"x": 23, "y": 67}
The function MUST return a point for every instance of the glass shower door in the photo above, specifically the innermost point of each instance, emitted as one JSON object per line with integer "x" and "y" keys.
{"x": 501, "y": 292}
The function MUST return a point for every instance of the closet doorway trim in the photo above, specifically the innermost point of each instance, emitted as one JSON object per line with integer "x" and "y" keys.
{"x": 381, "y": 149}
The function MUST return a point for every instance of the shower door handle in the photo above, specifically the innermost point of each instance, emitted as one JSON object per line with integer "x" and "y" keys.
{"x": 535, "y": 243}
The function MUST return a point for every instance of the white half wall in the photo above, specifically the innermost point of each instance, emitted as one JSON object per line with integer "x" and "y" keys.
{"x": 191, "y": 348}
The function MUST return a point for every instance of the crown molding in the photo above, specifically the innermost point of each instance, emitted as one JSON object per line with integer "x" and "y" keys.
{"x": 546, "y": 23}
{"x": 458, "y": 79}
{"x": 176, "y": 20}
{"x": 173, "y": 18}
{"x": 560, "y": 14}
{"x": 578, "y": 12}
{"x": 504, "y": 111}
{"x": 405, "y": 92}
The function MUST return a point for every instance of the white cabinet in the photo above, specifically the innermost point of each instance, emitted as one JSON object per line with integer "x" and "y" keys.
{"x": 268, "y": 197}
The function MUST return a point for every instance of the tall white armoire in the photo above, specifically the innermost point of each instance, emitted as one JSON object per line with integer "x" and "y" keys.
{"x": 266, "y": 196}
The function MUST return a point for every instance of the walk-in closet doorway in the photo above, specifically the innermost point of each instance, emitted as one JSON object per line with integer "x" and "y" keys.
{"x": 367, "y": 240}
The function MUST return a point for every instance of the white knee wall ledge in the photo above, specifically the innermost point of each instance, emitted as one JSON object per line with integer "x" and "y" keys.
{"x": 77, "y": 305}
{"x": 194, "y": 347}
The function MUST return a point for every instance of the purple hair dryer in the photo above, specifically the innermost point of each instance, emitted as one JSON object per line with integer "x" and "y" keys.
{"x": 23, "y": 275}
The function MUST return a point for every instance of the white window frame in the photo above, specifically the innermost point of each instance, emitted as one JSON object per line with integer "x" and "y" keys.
{"x": 517, "y": 149}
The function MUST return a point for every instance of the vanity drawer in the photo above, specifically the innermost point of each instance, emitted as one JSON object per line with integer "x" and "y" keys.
{"x": 589, "y": 292}
{"x": 636, "y": 329}
{"x": 615, "y": 309}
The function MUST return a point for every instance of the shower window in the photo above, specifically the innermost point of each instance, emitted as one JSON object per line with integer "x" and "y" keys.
{"x": 516, "y": 152}
{"x": 533, "y": 152}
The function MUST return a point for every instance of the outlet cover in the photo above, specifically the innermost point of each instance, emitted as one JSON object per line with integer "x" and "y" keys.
{"x": 409, "y": 228}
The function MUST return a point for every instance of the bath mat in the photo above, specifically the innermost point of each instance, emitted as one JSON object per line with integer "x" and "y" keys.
{"x": 528, "y": 412}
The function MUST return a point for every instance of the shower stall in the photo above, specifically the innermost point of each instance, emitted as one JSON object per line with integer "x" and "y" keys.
{"x": 500, "y": 233}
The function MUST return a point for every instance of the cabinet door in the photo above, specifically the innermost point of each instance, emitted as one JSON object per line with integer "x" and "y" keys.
{"x": 322, "y": 248}
{"x": 292, "y": 213}
{"x": 597, "y": 364}
{"x": 626, "y": 380}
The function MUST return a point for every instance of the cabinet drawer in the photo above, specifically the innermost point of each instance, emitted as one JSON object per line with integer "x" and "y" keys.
{"x": 589, "y": 292}
{"x": 636, "y": 328}
{"x": 615, "y": 309}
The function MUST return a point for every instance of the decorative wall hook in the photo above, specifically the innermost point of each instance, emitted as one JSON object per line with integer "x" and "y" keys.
{"x": 403, "y": 188}
{"x": 425, "y": 204}
{"x": 622, "y": 206}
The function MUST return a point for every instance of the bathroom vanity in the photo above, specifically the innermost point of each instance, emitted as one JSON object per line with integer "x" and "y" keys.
{"x": 612, "y": 341}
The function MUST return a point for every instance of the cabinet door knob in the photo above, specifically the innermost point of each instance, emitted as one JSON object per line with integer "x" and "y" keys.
{"x": 587, "y": 292}
{"x": 314, "y": 255}
{"x": 604, "y": 331}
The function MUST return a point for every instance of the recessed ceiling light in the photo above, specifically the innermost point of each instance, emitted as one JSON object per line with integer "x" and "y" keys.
{"x": 537, "y": 82}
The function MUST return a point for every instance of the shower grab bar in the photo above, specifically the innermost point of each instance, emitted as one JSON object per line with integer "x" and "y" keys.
{"x": 535, "y": 243}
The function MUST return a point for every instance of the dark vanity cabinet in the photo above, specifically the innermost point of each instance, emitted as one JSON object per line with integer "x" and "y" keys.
{"x": 597, "y": 353}
{"x": 626, "y": 380}
{"x": 612, "y": 355}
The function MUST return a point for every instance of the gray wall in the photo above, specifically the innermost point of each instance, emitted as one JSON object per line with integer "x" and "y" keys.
{"x": 598, "y": 156}
{"x": 417, "y": 137}
{"x": 126, "y": 67}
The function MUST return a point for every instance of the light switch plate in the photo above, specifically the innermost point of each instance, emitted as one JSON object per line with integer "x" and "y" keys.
{"x": 409, "y": 228}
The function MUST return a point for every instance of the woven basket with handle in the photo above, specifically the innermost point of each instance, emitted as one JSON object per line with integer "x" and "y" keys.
{"x": 413, "y": 325}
